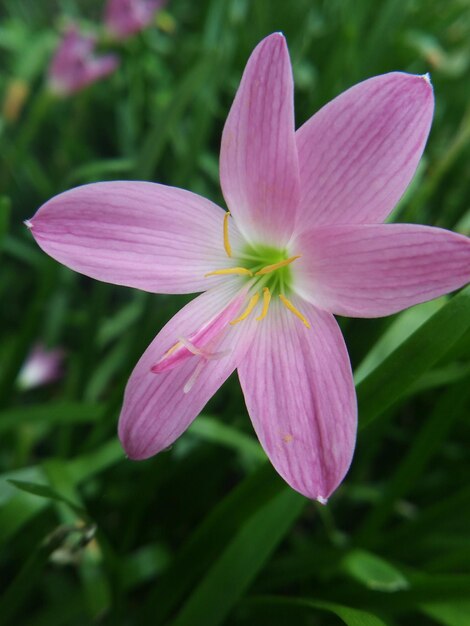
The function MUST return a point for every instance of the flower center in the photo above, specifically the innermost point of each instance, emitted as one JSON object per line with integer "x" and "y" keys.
{"x": 268, "y": 272}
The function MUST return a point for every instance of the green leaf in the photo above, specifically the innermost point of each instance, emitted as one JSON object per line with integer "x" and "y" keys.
{"x": 50, "y": 414}
{"x": 13, "y": 598}
{"x": 18, "y": 509}
{"x": 350, "y": 616}
{"x": 390, "y": 380}
{"x": 5, "y": 210}
{"x": 448, "y": 613}
{"x": 168, "y": 118}
{"x": 94, "y": 581}
{"x": 96, "y": 170}
{"x": 44, "y": 491}
{"x": 373, "y": 571}
{"x": 402, "y": 327}
{"x": 453, "y": 404}
{"x": 240, "y": 562}
{"x": 210, "y": 429}
{"x": 143, "y": 565}
{"x": 208, "y": 541}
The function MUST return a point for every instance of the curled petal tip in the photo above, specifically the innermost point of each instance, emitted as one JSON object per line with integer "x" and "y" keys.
{"x": 28, "y": 224}
{"x": 322, "y": 500}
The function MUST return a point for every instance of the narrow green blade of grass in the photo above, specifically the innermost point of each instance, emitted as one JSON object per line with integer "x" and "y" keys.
{"x": 168, "y": 119}
{"x": 5, "y": 210}
{"x": 448, "y": 613}
{"x": 373, "y": 571}
{"x": 50, "y": 414}
{"x": 45, "y": 491}
{"x": 14, "y": 595}
{"x": 210, "y": 429}
{"x": 451, "y": 406}
{"x": 94, "y": 582}
{"x": 208, "y": 541}
{"x": 391, "y": 379}
{"x": 19, "y": 508}
{"x": 97, "y": 170}
{"x": 241, "y": 561}
{"x": 292, "y": 607}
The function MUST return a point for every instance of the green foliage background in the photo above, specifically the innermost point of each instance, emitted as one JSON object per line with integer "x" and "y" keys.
{"x": 206, "y": 533}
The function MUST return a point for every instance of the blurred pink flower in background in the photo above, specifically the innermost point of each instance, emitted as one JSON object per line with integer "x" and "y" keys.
{"x": 42, "y": 366}
{"x": 124, "y": 18}
{"x": 74, "y": 65}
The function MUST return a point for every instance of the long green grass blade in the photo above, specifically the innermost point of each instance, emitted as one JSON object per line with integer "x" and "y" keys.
{"x": 391, "y": 379}
{"x": 240, "y": 562}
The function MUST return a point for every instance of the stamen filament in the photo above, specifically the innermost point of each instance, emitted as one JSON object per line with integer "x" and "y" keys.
{"x": 276, "y": 266}
{"x": 251, "y": 305}
{"x": 194, "y": 376}
{"x": 240, "y": 271}
{"x": 288, "y": 304}
{"x": 266, "y": 301}
{"x": 227, "y": 246}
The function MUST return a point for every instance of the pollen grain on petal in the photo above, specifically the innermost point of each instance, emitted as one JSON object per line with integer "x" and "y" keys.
{"x": 266, "y": 301}
{"x": 276, "y": 266}
{"x": 227, "y": 246}
{"x": 251, "y": 305}
{"x": 238, "y": 271}
{"x": 288, "y": 304}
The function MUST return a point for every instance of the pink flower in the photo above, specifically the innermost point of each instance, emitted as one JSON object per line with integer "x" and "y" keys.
{"x": 303, "y": 241}
{"x": 41, "y": 367}
{"x": 74, "y": 65}
{"x": 124, "y": 18}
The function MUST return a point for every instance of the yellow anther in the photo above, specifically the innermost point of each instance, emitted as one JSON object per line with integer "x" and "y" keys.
{"x": 251, "y": 305}
{"x": 276, "y": 266}
{"x": 240, "y": 271}
{"x": 227, "y": 246}
{"x": 177, "y": 345}
{"x": 295, "y": 311}
{"x": 266, "y": 301}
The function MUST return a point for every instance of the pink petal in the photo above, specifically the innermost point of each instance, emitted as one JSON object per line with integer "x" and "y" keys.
{"x": 379, "y": 269}
{"x": 124, "y": 18}
{"x": 144, "y": 235}
{"x": 41, "y": 367}
{"x": 300, "y": 395}
{"x": 74, "y": 65}
{"x": 359, "y": 152}
{"x": 258, "y": 159}
{"x": 158, "y": 407}
{"x": 203, "y": 340}
{"x": 100, "y": 67}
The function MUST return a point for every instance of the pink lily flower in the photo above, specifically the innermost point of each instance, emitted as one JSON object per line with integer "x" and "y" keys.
{"x": 74, "y": 65}
{"x": 42, "y": 366}
{"x": 303, "y": 240}
{"x": 124, "y": 18}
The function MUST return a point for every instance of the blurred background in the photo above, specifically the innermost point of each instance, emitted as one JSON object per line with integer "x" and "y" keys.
{"x": 206, "y": 533}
